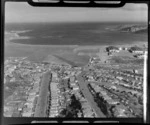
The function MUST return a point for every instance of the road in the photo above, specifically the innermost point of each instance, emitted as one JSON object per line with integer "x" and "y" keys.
{"x": 40, "y": 110}
{"x": 87, "y": 94}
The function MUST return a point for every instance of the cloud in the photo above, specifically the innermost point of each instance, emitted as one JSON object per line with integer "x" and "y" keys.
{"x": 135, "y": 7}
{"x": 22, "y": 12}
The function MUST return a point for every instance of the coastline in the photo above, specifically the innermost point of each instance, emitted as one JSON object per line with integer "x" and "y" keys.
{"x": 73, "y": 51}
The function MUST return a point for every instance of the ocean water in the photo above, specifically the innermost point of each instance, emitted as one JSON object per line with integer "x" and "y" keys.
{"x": 72, "y": 34}
{"x": 40, "y": 36}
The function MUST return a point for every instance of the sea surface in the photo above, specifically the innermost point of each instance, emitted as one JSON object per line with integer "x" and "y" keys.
{"x": 36, "y": 40}
{"x": 72, "y": 34}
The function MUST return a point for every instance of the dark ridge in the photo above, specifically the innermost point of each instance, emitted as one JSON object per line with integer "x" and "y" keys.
{"x": 65, "y": 60}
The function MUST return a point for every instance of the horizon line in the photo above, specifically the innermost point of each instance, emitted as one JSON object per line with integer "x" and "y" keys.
{"x": 83, "y": 22}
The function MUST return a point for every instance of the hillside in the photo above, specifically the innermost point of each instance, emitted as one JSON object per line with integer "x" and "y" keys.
{"x": 132, "y": 28}
{"x": 54, "y": 59}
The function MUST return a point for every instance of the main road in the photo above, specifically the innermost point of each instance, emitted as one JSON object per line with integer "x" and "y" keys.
{"x": 87, "y": 94}
{"x": 41, "y": 106}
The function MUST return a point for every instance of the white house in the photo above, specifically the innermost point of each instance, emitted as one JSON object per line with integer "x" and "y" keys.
{"x": 136, "y": 50}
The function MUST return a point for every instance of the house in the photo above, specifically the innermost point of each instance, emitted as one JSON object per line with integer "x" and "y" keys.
{"x": 135, "y": 71}
{"x": 119, "y": 77}
{"x": 140, "y": 56}
{"x": 75, "y": 88}
{"x": 124, "y": 48}
{"x": 111, "y": 49}
{"x": 120, "y": 48}
{"x": 119, "y": 111}
{"x": 136, "y": 50}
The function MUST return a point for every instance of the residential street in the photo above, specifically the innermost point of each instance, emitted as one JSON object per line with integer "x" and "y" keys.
{"x": 88, "y": 95}
{"x": 41, "y": 106}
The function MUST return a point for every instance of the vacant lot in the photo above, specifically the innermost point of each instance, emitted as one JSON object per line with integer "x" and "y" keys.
{"x": 126, "y": 60}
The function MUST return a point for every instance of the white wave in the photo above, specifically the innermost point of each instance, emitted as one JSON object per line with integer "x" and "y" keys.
{"x": 20, "y": 31}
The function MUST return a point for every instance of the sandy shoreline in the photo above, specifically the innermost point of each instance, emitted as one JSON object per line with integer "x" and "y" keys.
{"x": 68, "y": 52}
{"x": 16, "y": 49}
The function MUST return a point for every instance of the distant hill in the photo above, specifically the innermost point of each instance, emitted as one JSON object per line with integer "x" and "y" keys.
{"x": 133, "y": 28}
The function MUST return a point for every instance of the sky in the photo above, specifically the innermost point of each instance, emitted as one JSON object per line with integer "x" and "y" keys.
{"x": 22, "y": 12}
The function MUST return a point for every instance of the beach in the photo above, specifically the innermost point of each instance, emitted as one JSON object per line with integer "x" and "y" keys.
{"x": 75, "y": 46}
